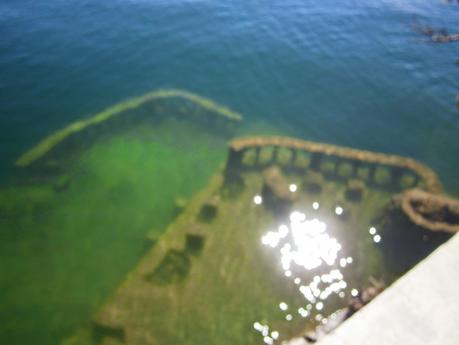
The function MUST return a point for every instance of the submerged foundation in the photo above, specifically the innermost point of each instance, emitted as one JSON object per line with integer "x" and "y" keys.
{"x": 74, "y": 216}
{"x": 287, "y": 240}
{"x": 291, "y": 236}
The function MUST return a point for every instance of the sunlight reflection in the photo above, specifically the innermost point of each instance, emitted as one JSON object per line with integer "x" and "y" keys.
{"x": 283, "y": 306}
{"x": 312, "y": 246}
{"x": 303, "y": 312}
{"x": 258, "y": 326}
{"x": 376, "y": 237}
{"x": 309, "y": 258}
{"x": 257, "y": 199}
{"x": 268, "y": 340}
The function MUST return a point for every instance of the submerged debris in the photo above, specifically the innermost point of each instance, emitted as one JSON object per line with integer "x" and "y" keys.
{"x": 276, "y": 191}
{"x": 436, "y": 35}
{"x": 356, "y": 303}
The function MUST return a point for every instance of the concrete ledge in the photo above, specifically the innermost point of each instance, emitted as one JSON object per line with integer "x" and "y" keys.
{"x": 419, "y": 308}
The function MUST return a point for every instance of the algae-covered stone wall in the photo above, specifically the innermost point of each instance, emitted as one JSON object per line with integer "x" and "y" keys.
{"x": 400, "y": 170}
{"x": 152, "y": 106}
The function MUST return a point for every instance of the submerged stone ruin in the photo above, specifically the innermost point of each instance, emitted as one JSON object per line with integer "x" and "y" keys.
{"x": 150, "y": 108}
{"x": 288, "y": 239}
{"x": 376, "y": 168}
{"x": 432, "y": 212}
{"x": 202, "y": 269}
{"x": 76, "y": 208}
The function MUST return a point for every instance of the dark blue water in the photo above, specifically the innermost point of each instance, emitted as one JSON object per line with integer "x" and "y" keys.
{"x": 347, "y": 72}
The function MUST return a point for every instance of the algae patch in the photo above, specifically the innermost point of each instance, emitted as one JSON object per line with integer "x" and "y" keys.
{"x": 75, "y": 219}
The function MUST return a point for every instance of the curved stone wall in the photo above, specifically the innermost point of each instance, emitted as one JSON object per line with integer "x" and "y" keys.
{"x": 431, "y": 211}
{"x": 398, "y": 166}
{"x": 53, "y": 140}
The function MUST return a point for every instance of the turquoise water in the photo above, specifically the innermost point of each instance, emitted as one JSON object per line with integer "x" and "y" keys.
{"x": 351, "y": 73}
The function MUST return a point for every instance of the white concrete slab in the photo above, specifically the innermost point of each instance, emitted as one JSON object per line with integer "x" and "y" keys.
{"x": 422, "y": 307}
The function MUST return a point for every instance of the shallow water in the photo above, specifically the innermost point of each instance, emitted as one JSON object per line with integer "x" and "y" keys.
{"x": 65, "y": 248}
{"x": 353, "y": 74}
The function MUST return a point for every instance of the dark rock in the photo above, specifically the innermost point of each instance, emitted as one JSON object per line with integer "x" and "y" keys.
{"x": 194, "y": 244}
{"x": 209, "y": 209}
{"x": 355, "y": 190}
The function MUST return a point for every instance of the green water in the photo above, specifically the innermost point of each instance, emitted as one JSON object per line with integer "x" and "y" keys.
{"x": 76, "y": 218}
{"x": 65, "y": 248}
